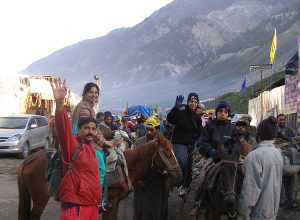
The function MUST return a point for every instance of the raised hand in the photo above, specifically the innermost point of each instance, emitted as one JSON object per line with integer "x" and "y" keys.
{"x": 178, "y": 102}
{"x": 59, "y": 89}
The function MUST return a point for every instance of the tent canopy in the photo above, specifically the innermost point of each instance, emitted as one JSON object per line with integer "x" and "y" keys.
{"x": 140, "y": 110}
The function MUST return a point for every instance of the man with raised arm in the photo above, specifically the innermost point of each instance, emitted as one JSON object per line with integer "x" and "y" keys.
{"x": 80, "y": 189}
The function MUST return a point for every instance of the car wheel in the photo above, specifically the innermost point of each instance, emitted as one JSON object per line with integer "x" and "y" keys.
{"x": 47, "y": 144}
{"x": 25, "y": 151}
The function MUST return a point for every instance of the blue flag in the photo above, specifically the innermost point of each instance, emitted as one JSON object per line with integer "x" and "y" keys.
{"x": 243, "y": 88}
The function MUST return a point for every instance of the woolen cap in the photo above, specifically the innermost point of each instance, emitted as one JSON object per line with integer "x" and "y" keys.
{"x": 223, "y": 104}
{"x": 193, "y": 95}
{"x": 267, "y": 129}
{"x": 107, "y": 114}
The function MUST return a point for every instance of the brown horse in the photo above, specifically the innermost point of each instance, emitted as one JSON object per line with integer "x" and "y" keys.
{"x": 33, "y": 186}
{"x": 222, "y": 197}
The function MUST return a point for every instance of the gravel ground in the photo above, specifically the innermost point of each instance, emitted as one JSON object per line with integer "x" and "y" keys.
{"x": 9, "y": 199}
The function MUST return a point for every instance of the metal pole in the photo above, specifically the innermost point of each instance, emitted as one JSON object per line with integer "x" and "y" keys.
{"x": 98, "y": 83}
{"x": 261, "y": 77}
{"x": 261, "y": 90}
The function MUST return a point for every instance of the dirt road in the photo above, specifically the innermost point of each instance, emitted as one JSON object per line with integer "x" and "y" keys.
{"x": 9, "y": 198}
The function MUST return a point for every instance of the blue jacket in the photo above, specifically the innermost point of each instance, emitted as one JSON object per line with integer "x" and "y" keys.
{"x": 214, "y": 132}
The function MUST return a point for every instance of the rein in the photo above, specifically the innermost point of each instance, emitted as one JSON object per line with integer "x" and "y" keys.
{"x": 36, "y": 155}
{"x": 170, "y": 167}
{"x": 165, "y": 160}
{"x": 235, "y": 172}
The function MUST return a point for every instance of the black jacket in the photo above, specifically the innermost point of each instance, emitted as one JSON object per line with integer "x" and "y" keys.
{"x": 187, "y": 126}
{"x": 213, "y": 132}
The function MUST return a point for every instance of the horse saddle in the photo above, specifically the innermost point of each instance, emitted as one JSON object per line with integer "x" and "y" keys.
{"x": 116, "y": 178}
{"x": 206, "y": 178}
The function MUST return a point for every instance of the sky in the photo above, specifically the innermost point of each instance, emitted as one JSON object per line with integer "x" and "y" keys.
{"x": 33, "y": 29}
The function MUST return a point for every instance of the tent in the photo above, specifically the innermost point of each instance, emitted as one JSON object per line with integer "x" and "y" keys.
{"x": 140, "y": 110}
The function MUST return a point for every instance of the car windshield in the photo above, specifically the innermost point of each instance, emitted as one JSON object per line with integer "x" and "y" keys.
{"x": 13, "y": 122}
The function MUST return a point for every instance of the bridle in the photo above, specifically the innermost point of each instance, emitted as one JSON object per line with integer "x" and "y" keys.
{"x": 169, "y": 167}
{"x": 232, "y": 191}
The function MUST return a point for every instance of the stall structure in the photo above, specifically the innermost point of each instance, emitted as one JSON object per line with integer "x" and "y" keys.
{"x": 284, "y": 99}
{"x": 20, "y": 94}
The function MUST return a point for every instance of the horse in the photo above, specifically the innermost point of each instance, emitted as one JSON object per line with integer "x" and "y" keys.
{"x": 288, "y": 168}
{"x": 32, "y": 184}
{"x": 221, "y": 195}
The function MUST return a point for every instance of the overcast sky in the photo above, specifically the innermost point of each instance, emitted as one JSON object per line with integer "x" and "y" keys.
{"x": 33, "y": 29}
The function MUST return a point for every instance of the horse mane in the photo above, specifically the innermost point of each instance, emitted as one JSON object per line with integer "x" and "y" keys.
{"x": 138, "y": 154}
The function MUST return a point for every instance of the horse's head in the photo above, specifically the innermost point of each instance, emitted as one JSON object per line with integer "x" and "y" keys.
{"x": 231, "y": 177}
{"x": 165, "y": 161}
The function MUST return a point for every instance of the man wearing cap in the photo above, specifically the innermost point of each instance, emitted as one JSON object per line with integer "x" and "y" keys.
{"x": 260, "y": 194}
{"x": 151, "y": 198}
{"x": 118, "y": 123}
{"x": 105, "y": 126}
{"x": 252, "y": 129}
{"x": 247, "y": 142}
{"x": 152, "y": 124}
{"x": 187, "y": 129}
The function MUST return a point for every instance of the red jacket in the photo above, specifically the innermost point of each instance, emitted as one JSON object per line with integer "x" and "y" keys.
{"x": 82, "y": 185}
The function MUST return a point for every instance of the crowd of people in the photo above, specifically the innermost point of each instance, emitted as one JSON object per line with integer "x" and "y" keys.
{"x": 83, "y": 192}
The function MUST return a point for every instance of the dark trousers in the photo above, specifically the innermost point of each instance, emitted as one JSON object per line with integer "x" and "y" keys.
{"x": 183, "y": 154}
{"x": 289, "y": 186}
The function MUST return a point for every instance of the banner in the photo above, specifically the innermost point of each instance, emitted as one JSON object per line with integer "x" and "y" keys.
{"x": 291, "y": 94}
{"x": 298, "y": 105}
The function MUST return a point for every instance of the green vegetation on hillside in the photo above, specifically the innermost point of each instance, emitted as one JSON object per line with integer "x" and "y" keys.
{"x": 239, "y": 103}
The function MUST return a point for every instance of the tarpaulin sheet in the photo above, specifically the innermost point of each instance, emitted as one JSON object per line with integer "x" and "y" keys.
{"x": 140, "y": 110}
{"x": 272, "y": 104}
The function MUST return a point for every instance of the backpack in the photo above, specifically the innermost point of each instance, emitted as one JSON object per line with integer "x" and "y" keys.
{"x": 53, "y": 170}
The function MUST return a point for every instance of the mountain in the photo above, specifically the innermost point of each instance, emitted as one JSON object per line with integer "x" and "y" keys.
{"x": 199, "y": 45}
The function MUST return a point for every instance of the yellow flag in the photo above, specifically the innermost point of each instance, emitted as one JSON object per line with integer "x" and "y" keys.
{"x": 273, "y": 48}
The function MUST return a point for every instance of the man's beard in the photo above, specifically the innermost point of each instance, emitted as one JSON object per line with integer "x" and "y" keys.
{"x": 150, "y": 137}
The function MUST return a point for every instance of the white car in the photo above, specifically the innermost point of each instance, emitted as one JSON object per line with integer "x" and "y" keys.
{"x": 22, "y": 133}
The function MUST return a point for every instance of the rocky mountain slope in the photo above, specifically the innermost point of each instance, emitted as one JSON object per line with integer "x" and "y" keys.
{"x": 188, "y": 44}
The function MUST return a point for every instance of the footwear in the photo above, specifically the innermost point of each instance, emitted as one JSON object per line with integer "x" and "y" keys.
{"x": 290, "y": 205}
{"x": 182, "y": 191}
{"x": 105, "y": 206}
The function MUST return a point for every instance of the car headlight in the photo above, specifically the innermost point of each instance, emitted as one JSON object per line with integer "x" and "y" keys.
{"x": 16, "y": 137}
